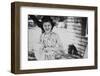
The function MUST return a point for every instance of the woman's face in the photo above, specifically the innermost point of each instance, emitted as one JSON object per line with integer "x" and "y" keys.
{"x": 47, "y": 27}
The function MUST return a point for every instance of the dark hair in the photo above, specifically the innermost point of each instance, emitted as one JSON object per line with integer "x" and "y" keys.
{"x": 46, "y": 19}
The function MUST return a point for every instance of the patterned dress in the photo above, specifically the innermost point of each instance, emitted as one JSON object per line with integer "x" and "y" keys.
{"x": 51, "y": 46}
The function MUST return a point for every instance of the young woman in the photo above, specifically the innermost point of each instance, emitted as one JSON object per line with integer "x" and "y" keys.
{"x": 51, "y": 47}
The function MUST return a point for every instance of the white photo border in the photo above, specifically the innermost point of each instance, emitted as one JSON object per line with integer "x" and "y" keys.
{"x": 25, "y": 64}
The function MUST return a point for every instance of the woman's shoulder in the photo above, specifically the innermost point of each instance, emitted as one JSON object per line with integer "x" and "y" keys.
{"x": 54, "y": 34}
{"x": 42, "y": 35}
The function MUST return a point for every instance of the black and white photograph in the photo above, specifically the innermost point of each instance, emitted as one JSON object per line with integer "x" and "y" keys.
{"x": 53, "y": 37}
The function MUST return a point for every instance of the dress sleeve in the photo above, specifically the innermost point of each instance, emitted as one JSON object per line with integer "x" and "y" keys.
{"x": 41, "y": 38}
{"x": 59, "y": 45}
{"x": 59, "y": 48}
{"x": 41, "y": 41}
{"x": 59, "y": 41}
